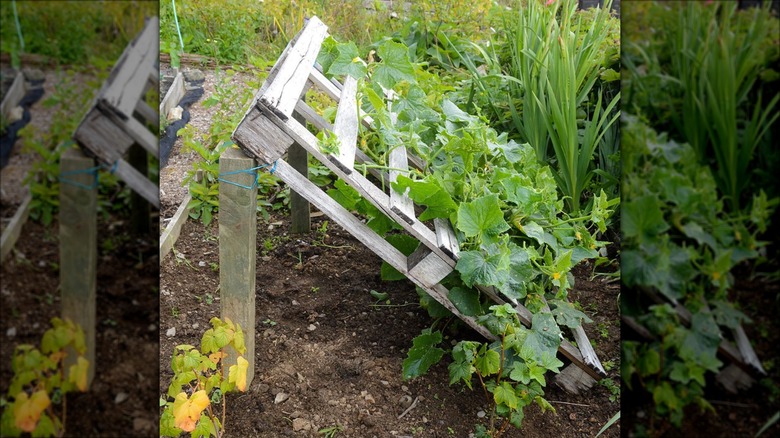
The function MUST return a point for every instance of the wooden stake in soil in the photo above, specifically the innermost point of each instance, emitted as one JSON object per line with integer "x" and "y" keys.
{"x": 140, "y": 215}
{"x": 78, "y": 248}
{"x": 237, "y": 248}
{"x": 300, "y": 211}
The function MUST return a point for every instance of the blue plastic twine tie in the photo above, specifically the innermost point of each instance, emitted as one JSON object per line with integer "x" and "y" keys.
{"x": 89, "y": 171}
{"x": 250, "y": 171}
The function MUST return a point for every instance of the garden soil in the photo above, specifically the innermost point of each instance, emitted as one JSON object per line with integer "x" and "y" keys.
{"x": 122, "y": 400}
{"x": 335, "y": 354}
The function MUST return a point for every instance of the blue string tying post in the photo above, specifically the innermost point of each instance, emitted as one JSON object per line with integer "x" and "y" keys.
{"x": 90, "y": 171}
{"x": 251, "y": 171}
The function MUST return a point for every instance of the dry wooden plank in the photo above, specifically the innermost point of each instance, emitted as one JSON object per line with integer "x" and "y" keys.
{"x": 285, "y": 90}
{"x": 574, "y": 379}
{"x": 734, "y": 379}
{"x": 400, "y": 202}
{"x": 427, "y": 267}
{"x": 145, "y": 138}
{"x": 324, "y": 84}
{"x": 173, "y": 230}
{"x": 138, "y": 182}
{"x": 345, "y": 127}
{"x": 13, "y": 96}
{"x": 78, "y": 249}
{"x": 746, "y": 350}
{"x": 130, "y": 74}
{"x": 237, "y": 250}
{"x": 173, "y": 96}
{"x": 100, "y": 135}
{"x": 588, "y": 353}
{"x": 14, "y": 228}
{"x": 148, "y": 114}
{"x": 260, "y": 137}
{"x": 445, "y": 238}
{"x": 300, "y": 209}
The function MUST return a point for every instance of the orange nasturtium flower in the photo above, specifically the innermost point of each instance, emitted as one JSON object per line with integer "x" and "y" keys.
{"x": 28, "y": 410}
{"x": 186, "y": 411}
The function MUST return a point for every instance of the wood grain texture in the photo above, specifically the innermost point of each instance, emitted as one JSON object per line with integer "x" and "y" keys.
{"x": 282, "y": 94}
{"x": 14, "y": 228}
{"x": 13, "y": 96}
{"x": 173, "y": 230}
{"x": 173, "y": 96}
{"x": 345, "y": 127}
{"x": 427, "y": 266}
{"x": 78, "y": 250}
{"x": 400, "y": 202}
{"x": 237, "y": 250}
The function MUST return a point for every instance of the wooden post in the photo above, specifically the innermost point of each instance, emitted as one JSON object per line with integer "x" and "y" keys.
{"x": 237, "y": 249}
{"x": 78, "y": 249}
{"x": 300, "y": 211}
{"x": 140, "y": 209}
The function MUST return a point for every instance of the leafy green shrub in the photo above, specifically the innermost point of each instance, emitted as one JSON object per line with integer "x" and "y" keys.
{"x": 678, "y": 241}
{"x": 36, "y": 396}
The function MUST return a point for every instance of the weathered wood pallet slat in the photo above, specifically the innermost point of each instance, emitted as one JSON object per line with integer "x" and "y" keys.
{"x": 345, "y": 127}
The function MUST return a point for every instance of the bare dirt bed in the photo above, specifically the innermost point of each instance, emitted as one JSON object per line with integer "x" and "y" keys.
{"x": 127, "y": 318}
{"x": 322, "y": 340}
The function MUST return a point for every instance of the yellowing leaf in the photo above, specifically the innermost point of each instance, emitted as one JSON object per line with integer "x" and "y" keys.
{"x": 57, "y": 356}
{"x": 215, "y": 357}
{"x": 238, "y": 373}
{"x": 186, "y": 411}
{"x": 27, "y": 410}
{"x": 78, "y": 373}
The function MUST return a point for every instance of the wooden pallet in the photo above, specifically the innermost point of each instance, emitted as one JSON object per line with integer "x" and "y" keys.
{"x": 744, "y": 365}
{"x": 268, "y": 130}
{"x": 118, "y": 115}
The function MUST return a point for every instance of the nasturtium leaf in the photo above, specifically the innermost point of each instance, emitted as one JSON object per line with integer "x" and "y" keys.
{"x": 567, "y": 315}
{"x": 505, "y": 394}
{"x": 28, "y": 410}
{"x": 466, "y": 301}
{"x": 482, "y": 217}
{"x": 488, "y": 361}
{"x": 478, "y": 267}
{"x": 641, "y": 218}
{"x": 423, "y": 354}
{"x": 78, "y": 373}
{"x": 347, "y": 61}
{"x": 187, "y": 410}
{"x": 394, "y": 66}
{"x": 237, "y": 373}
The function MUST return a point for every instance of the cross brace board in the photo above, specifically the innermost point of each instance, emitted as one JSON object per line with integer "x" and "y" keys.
{"x": 118, "y": 116}
{"x": 267, "y": 131}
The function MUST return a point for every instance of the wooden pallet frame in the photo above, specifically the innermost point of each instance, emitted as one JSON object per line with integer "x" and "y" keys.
{"x": 269, "y": 129}
{"x": 744, "y": 366}
{"x": 116, "y": 120}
